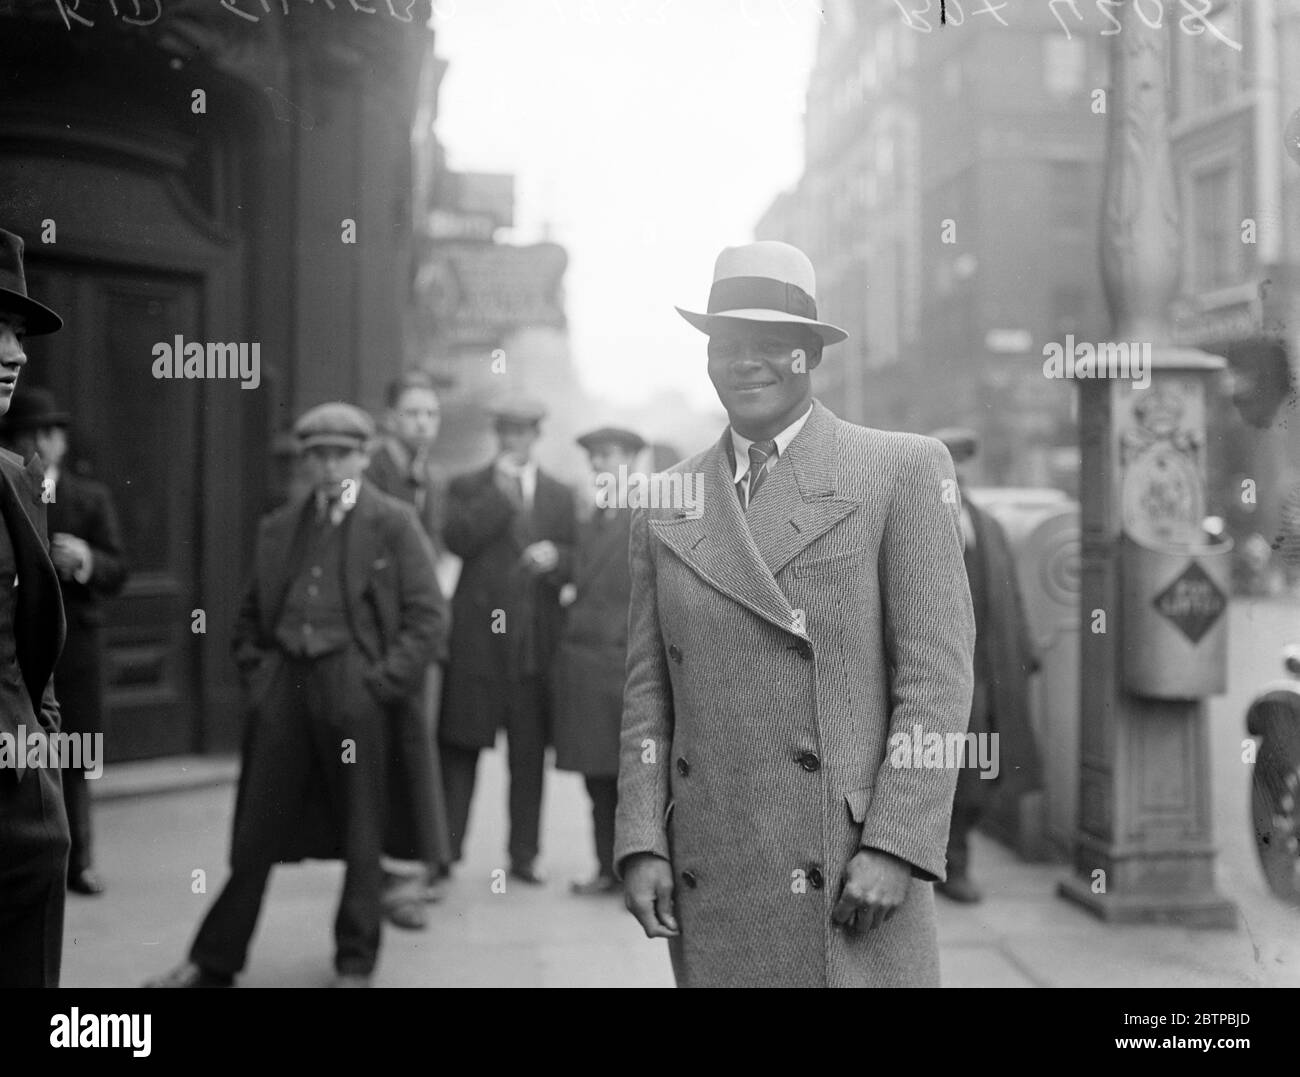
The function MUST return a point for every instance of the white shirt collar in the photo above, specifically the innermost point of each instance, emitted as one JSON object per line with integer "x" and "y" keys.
{"x": 741, "y": 444}
{"x": 527, "y": 476}
{"x": 341, "y": 506}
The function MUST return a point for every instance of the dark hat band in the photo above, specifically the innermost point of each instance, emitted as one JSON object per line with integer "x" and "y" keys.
{"x": 760, "y": 293}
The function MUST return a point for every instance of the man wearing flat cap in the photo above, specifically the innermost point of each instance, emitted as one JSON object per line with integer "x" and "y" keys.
{"x": 33, "y": 822}
{"x": 513, "y": 527}
{"x": 87, "y": 553}
{"x": 781, "y": 638}
{"x": 592, "y": 657}
{"x": 1004, "y": 659}
{"x": 339, "y": 623}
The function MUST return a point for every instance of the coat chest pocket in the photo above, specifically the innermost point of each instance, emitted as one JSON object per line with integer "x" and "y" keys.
{"x": 844, "y": 562}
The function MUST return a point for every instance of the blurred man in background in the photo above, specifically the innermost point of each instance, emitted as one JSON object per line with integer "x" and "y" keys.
{"x": 402, "y": 467}
{"x": 87, "y": 553}
{"x": 513, "y": 525}
{"x": 1004, "y": 659}
{"x": 338, "y": 626}
{"x": 591, "y": 663}
{"x": 33, "y": 823}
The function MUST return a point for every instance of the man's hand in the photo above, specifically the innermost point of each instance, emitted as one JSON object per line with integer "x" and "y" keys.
{"x": 875, "y": 884}
{"x": 541, "y": 557}
{"x": 71, "y": 555}
{"x": 648, "y": 894}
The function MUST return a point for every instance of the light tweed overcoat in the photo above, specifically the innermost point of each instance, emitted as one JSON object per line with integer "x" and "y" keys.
{"x": 770, "y": 658}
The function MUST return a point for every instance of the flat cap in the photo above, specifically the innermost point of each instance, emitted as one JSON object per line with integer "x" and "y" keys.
{"x": 612, "y": 435}
{"x": 335, "y": 423}
{"x": 518, "y": 410}
{"x": 961, "y": 441}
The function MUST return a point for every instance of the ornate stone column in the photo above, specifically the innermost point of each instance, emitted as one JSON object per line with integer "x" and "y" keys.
{"x": 1153, "y": 601}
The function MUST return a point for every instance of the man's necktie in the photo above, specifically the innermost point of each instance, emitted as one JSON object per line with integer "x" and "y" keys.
{"x": 759, "y": 454}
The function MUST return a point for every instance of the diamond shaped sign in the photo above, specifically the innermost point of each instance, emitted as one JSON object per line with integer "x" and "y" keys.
{"x": 1193, "y": 602}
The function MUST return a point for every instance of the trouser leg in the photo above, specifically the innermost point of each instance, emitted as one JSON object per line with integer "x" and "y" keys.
{"x": 526, "y": 751}
{"x": 351, "y": 729}
{"x": 76, "y": 799}
{"x": 33, "y": 875}
{"x": 459, "y": 772}
{"x": 966, "y": 810}
{"x": 277, "y": 768}
{"x": 604, "y": 804}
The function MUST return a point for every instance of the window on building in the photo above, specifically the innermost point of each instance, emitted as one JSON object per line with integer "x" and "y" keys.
{"x": 1216, "y": 250}
{"x": 1064, "y": 62}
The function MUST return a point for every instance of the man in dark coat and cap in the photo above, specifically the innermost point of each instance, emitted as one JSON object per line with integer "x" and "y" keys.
{"x": 591, "y": 662}
{"x": 336, "y": 630}
{"x": 87, "y": 553}
{"x": 33, "y": 823}
{"x": 1004, "y": 659}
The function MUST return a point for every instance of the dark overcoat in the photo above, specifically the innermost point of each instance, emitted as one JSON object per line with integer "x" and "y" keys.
{"x": 592, "y": 658}
{"x": 398, "y": 618}
{"x": 506, "y": 620}
{"x": 84, "y": 508}
{"x": 1004, "y": 660}
{"x": 396, "y": 480}
{"x": 772, "y": 659}
{"x": 33, "y": 824}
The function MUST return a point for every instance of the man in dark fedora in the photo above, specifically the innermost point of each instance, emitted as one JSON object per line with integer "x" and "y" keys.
{"x": 592, "y": 656}
{"x": 1004, "y": 659}
{"x": 340, "y": 621}
{"x": 87, "y": 553}
{"x": 33, "y": 823}
{"x": 782, "y": 635}
{"x": 513, "y": 525}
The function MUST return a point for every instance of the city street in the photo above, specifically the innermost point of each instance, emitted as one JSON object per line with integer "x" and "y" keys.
{"x": 1023, "y": 935}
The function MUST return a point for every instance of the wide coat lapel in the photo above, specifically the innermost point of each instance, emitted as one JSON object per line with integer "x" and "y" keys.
{"x": 796, "y": 506}
{"x": 797, "y": 503}
{"x": 272, "y": 568}
{"x": 39, "y": 613}
{"x": 361, "y": 546}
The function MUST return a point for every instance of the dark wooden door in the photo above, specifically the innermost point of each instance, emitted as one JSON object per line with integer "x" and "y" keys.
{"x": 141, "y": 437}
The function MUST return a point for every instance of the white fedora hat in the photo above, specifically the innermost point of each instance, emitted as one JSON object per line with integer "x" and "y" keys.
{"x": 766, "y": 281}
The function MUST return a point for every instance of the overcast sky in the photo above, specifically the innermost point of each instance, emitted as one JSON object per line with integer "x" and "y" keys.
{"x": 645, "y": 135}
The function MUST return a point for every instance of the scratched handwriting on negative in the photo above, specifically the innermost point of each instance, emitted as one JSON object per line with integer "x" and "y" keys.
{"x": 148, "y": 12}
{"x": 1195, "y": 21}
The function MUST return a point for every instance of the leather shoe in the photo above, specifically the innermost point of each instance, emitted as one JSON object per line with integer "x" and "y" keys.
{"x": 526, "y": 873}
{"x": 600, "y": 885}
{"x": 86, "y": 882}
{"x": 409, "y": 915}
{"x": 960, "y": 889}
{"x": 188, "y": 974}
{"x": 351, "y": 979}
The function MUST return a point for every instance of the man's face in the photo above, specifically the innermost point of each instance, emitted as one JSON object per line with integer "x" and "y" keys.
{"x": 609, "y": 457}
{"x": 416, "y": 418}
{"x": 330, "y": 466}
{"x": 761, "y": 375}
{"x": 52, "y": 443}
{"x": 12, "y": 356}
{"x": 516, "y": 441}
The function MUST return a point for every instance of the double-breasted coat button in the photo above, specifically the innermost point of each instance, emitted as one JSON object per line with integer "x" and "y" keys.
{"x": 674, "y": 652}
{"x": 809, "y": 761}
{"x": 816, "y": 878}
{"x": 804, "y": 649}
{"x": 688, "y": 877}
{"x": 683, "y": 767}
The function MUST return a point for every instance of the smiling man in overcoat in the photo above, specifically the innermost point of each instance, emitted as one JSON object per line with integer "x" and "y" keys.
{"x": 813, "y": 609}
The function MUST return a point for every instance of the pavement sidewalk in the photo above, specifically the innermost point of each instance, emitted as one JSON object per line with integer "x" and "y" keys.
{"x": 150, "y": 848}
